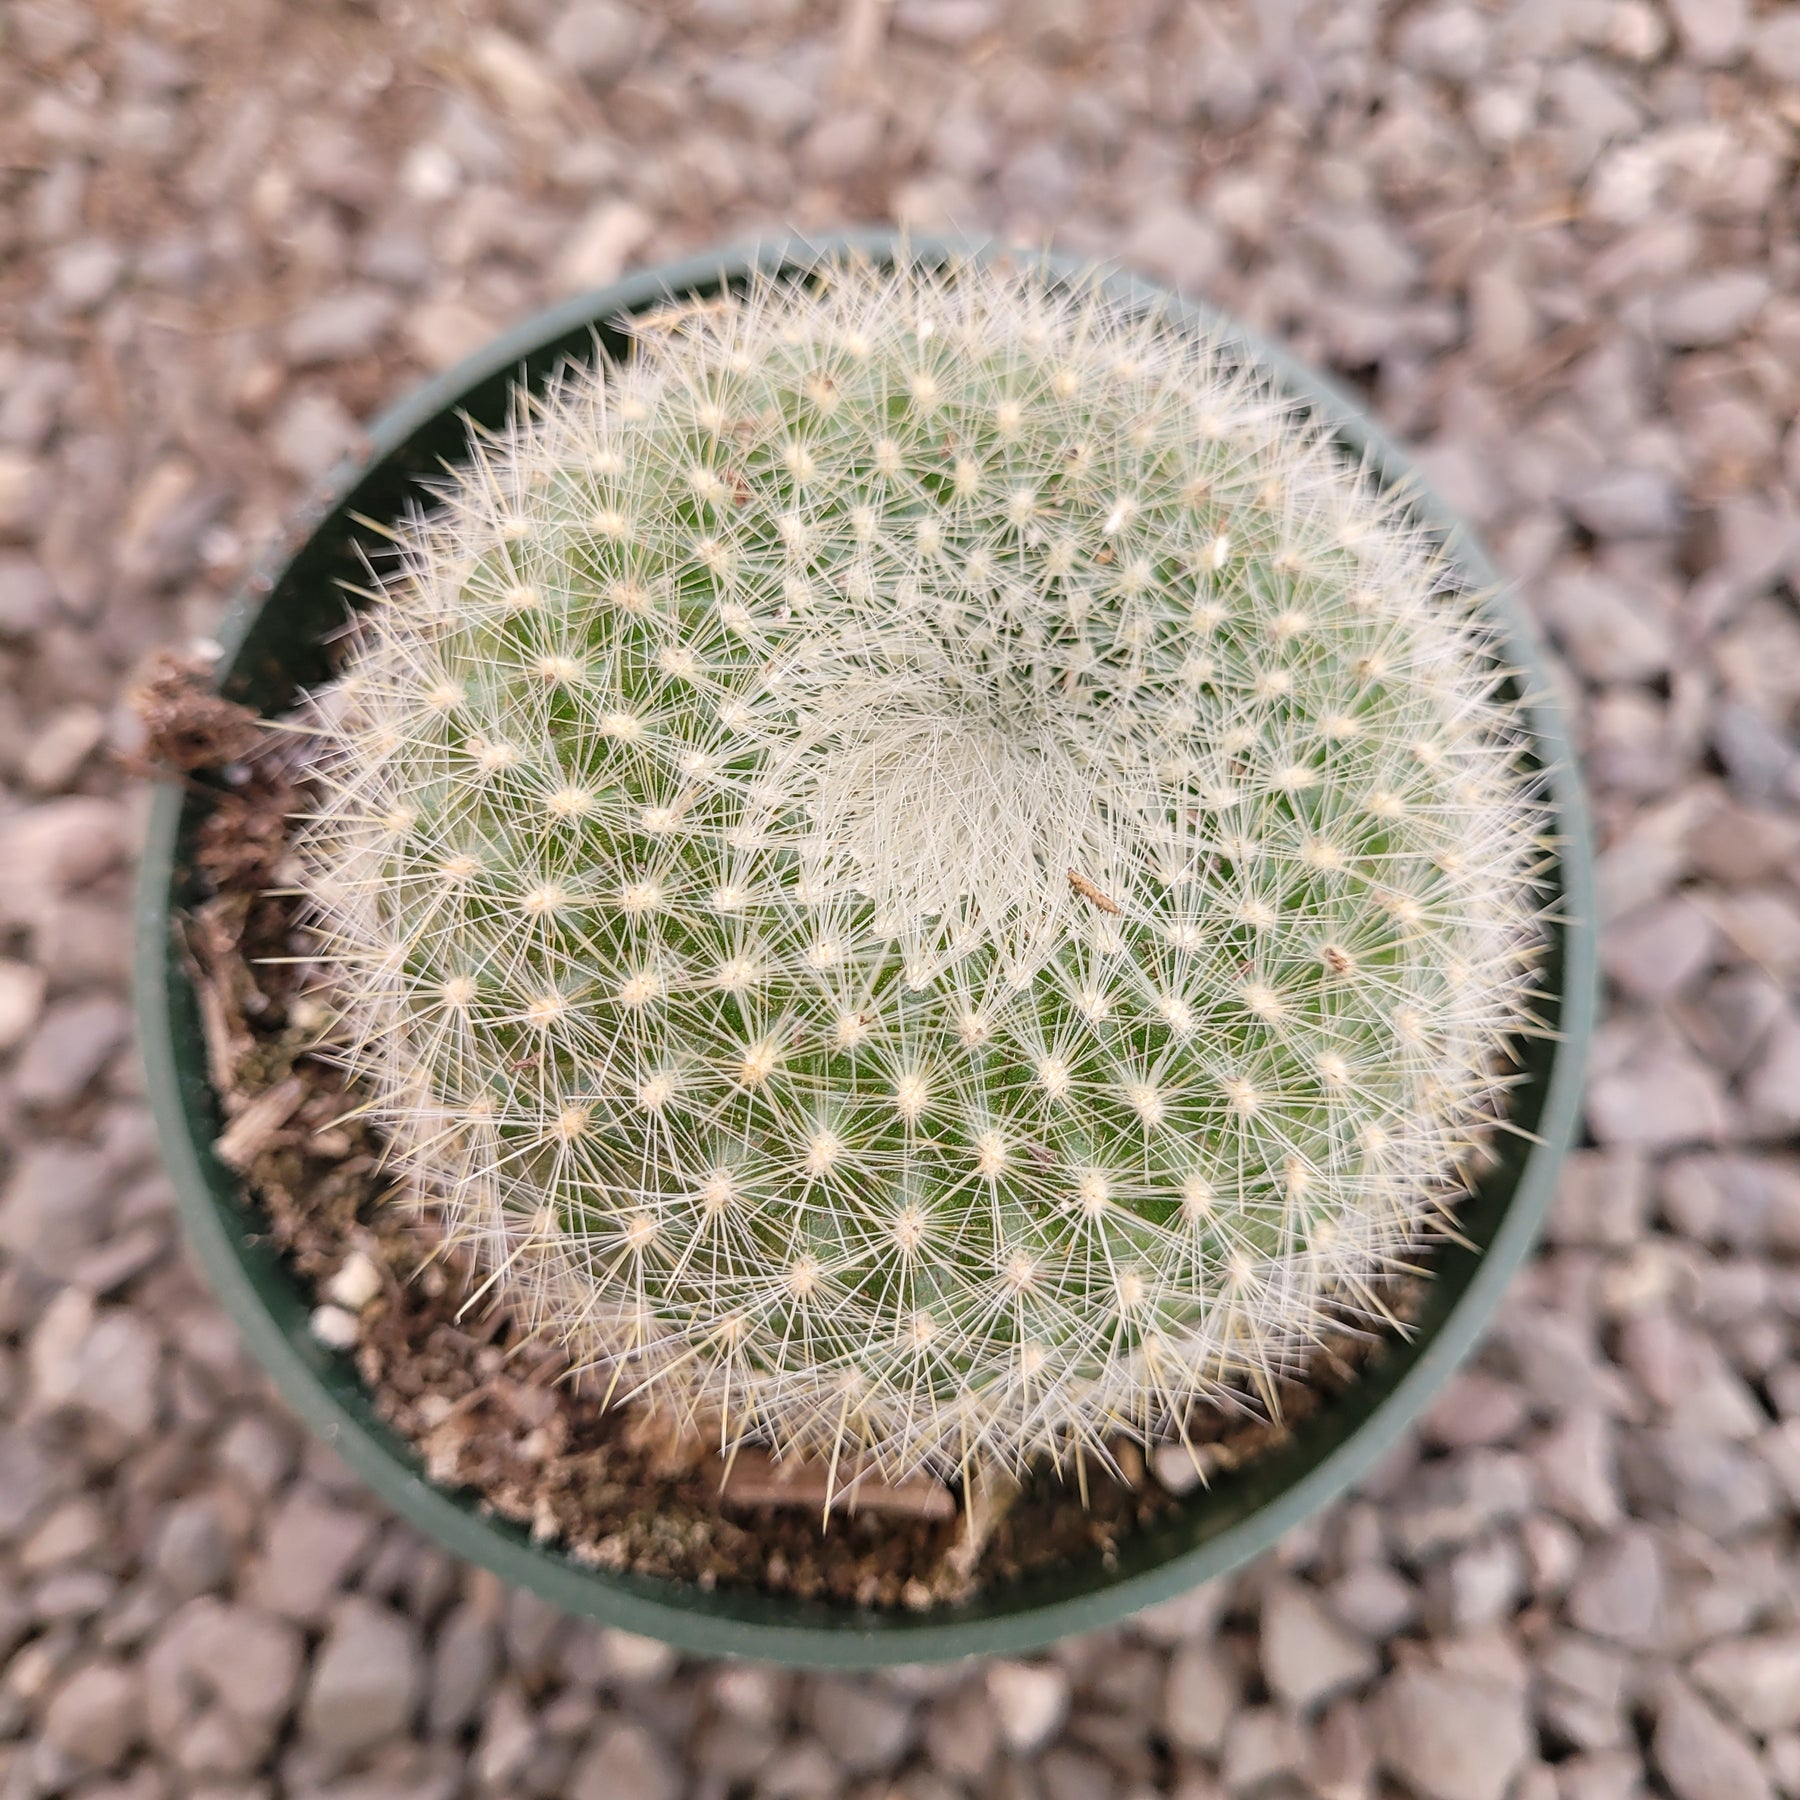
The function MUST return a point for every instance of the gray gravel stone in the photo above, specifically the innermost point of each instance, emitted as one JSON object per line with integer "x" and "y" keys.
{"x": 1621, "y": 1595}
{"x": 1711, "y": 31}
{"x": 598, "y": 39}
{"x": 1263, "y": 1745}
{"x": 27, "y": 595}
{"x": 193, "y": 1549}
{"x": 21, "y": 1000}
{"x": 342, "y": 325}
{"x": 312, "y": 434}
{"x": 1176, "y": 244}
{"x": 1656, "y": 952}
{"x": 310, "y": 1548}
{"x": 1756, "y": 1680}
{"x": 1451, "y": 1736}
{"x": 1713, "y": 308}
{"x": 1602, "y": 1199}
{"x": 1609, "y": 634}
{"x": 962, "y": 1735}
{"x": 1698, "y": 1754}
{"x": 624, "y": 1762}
{"x": 1576, "y": 1472}
{"x": 864, "y": 1728}
{"x": 1066, "y": 1773}
{"x": 1030, "y": 1702}
{"x": 1665, "y": 1098}
{"x": 366, "y": 1679}
{"x": 54, "y": 1206}
{"x": 1625, "y": 502}
{"x": 1202, "y": 1694}
{"x": 48, "y": 851}
{"x": 463, "y": 1664}
{"x": 210, "y": 1652}
{"x": 1775, "y": 46}
{"x": 83, "y": 274}
{"x": 1308, "y": 1656}
{"x": 96, "y": 1717}
{"x": 69, "y": 1048}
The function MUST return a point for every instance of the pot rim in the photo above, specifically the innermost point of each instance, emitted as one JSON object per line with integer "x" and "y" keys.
{"x": 320, "y": 1386}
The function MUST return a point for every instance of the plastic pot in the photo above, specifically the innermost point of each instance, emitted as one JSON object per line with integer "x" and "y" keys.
{"x": 275, "y": 642}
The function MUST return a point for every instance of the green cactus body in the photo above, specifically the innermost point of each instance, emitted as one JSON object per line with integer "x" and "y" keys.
{"x": 925, "y": 871}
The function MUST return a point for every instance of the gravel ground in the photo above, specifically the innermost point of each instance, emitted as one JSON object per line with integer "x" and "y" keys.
{"x": 1554, "y": 240}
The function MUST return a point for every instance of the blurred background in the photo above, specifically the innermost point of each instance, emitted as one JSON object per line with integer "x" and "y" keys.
{"x": 1553, "y": 241}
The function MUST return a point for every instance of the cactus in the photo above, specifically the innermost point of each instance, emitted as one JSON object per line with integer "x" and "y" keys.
{"x": 926, "y": 871}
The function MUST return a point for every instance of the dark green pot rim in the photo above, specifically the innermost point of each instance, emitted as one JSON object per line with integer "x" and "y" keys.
{"x": 273, "y": 643}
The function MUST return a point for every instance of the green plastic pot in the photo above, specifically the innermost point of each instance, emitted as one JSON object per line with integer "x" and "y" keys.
{"x": 276, "y": 642}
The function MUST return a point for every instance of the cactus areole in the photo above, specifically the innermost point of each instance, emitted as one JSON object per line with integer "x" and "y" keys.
{"x": 926, "y": 871}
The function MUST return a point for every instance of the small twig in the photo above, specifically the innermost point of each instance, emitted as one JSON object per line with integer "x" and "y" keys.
{"x": 754, "y": 1478}
{"x": 1090, "y": 893}
{"x": 251, "y": 1132}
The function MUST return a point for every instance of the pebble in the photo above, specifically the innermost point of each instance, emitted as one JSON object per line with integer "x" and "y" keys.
{"x": 1263, "y": 1745}
{"x": 865, "y": 1729}
{"x": 1775, "y": 47}
{"x": 27, "y": 594}
{"x": 1176, "y": 244}
{"x": 193, "y": 1548}
{"x": 1658, "y": 951}
{"x": 1308, "y": 1656}
{"x": 1620, "y": 1594}
{"x": 1666, "y": 1099}
{"x": 310, "y": 1548}
{"x": 1756, "y": 1680}
{"x": 21, "y": 1000}
{"x": 637, "y": 1661}
{"x": 594, "y": 251}
{"x": 463, "y": 1665}
{"x": 50, "y": 850}
{"x": 356, "y": 1283}
{"x": 96, "y": 1717}
{"x": 624, "y": 1762}
{"x": 84, "y": 273}
{"x": 1030, "y": 1701}
{"x": 312, "y": 435}
{"x": 54, "y": 1205}
{"x": 1375, "y": 1600}
{"x": 1698, "y": 1754}
{"x": 1601, "y": 1200}
{"x": 1713, "y": 308}
{"x": 366, "y": 1680}
{"x": 596, "y": 39}
{"x": 1610, "y": 635}
{"x": 212, "y": 1650}
{"x": 69, "y": 1048}
{"x": 56, "y": 755}
{"x": 1711, "y": 31}
{"x": 1202, "y": 1693}
{"x": 1576, "y": 1472}
{"x": 342, "y": 325}
{"x": 1625, "y": 503}
{"x": 1066, "y": 1773}
{"x": 1451, "y": 1736}
{"x": 962, "y": 1735}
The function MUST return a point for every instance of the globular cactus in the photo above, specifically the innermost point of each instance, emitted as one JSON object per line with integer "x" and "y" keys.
{"x": 926, "y": 870}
